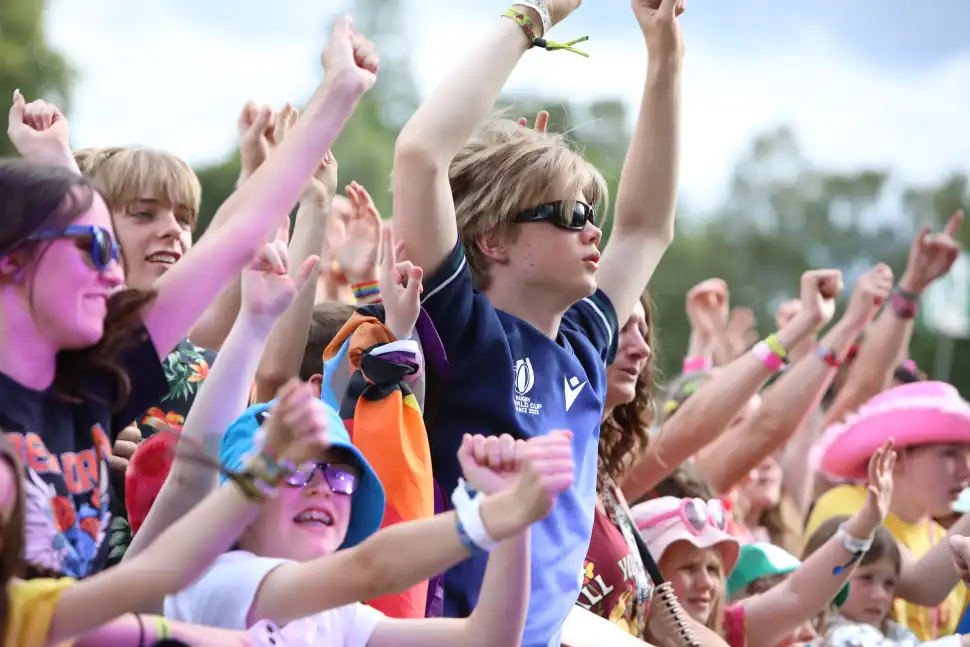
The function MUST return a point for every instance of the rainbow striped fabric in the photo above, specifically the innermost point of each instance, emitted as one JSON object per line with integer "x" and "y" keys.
{"x": 385, "y": 422}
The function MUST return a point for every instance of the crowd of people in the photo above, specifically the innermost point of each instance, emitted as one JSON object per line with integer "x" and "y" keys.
{"x": 443, "y": 426}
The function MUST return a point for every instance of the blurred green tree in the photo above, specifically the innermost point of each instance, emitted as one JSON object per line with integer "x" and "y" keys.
{"x": 782, "y": 215}
{"x": 27, "y": 60}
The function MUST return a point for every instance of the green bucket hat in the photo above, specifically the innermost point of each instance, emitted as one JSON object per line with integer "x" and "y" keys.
{"x": 764, "y": 560}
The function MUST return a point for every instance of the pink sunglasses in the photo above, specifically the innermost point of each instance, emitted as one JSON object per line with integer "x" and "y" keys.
{"x": 695, "y": 514}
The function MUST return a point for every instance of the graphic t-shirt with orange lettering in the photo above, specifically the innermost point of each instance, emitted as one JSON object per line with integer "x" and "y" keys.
{"x": 65, "y": 448}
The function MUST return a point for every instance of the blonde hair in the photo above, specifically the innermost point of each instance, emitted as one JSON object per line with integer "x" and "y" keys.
{"x": 126, "y": 174}
{"x": 504, "y": 169}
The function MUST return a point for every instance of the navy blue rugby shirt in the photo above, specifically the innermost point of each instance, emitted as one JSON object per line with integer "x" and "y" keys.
{"x": 508, "y": 377}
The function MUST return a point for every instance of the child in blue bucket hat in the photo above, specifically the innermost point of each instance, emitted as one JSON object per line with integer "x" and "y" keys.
{"x": 367, "y": 502}
{"x": 301, "y": 567}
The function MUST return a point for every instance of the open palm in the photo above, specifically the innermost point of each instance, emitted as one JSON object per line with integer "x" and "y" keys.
{"x": 356, "y": 243}
{"x": 880, "y": 490}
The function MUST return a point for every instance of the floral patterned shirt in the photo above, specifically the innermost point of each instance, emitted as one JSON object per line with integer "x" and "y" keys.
{"x": 185, "y": 369}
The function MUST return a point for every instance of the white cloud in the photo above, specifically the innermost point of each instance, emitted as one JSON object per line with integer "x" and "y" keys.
{"x": 156, "y": 77}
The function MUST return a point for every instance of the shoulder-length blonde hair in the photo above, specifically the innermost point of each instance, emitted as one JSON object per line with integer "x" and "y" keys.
{"x": 504, "y": 169}
{"x": 126, "y": 174}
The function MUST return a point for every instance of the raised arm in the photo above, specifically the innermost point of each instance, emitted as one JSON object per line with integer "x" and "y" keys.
{"x": 643, "y": 225}
{"x": 186, "y": 548}
{"x": 261, "y": 203}
{"x": 256, "y": 128}
{"x": 399, "y": 556}
{"x": 499, "y": 617}
{"x": 812, "y": 587}
{"x": 786, "y": 404}
{"x": 928, "y": 580}
{"x": 268, "y": 290}
{"x": 930, "y": 257}
{"x": 40, "y": 133}
{"x": 424, "y": 212}
{"x": 705, "y": 416}
{"x": 286, "y": 345}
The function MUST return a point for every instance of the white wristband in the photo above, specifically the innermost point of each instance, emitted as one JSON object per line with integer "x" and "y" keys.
{"x": 469, "y": 514}
{"x": 852, "y": 544}
{"x": 542, "y": 10}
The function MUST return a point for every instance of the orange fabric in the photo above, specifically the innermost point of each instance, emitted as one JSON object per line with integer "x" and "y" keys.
{"x": 390, "y": 433}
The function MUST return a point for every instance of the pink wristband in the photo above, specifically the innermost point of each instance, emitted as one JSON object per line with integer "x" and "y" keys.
{"x": 768, "y": 357}
{"x": 697, "y": 364}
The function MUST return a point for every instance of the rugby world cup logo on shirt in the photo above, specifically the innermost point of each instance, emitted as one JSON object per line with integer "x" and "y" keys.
{"x": 525, "y": 379}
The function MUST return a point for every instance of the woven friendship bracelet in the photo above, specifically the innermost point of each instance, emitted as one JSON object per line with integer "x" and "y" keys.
{"x": 532, "y": 34}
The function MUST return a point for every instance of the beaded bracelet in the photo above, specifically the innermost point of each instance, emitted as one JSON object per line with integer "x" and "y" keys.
{"x": 537, "y": 41}
{"x": 904, "y": 304}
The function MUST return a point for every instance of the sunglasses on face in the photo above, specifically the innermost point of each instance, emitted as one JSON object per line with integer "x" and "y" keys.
{"x": 97, "y": 241}
{"x": 695, "y": 514}
{"x": 340, "y": 478}
{"x": 558, "y": 214}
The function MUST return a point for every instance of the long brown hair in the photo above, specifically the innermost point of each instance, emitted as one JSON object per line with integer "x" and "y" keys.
{"x": 784, "y": 524}
{"x": 45, "y": 197}
{"x": 123, "y": 328}
{"x": 12, "y": 533}
{"x": 626, "y": 431}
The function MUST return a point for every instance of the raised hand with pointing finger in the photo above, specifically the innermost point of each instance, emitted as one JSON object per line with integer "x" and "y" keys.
{"x": 400, "y": 285}
{"x": 541, "y": 124}
{"x": 39, "y": 132}
{"x": 931, "y": 255}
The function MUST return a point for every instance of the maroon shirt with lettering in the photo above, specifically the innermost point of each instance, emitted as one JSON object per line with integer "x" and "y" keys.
{"x": 615, "y": 584}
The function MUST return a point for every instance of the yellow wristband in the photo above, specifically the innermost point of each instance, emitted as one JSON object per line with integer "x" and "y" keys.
{"x": 532, "y": 34}
{"x": 163, "y": 628}
{"x": 524, "y": 22}
{"x": 776, "y": 347}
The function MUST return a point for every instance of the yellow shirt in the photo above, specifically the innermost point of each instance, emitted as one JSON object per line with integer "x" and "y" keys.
{"x": 30, "y": 610}
{"x": 926, "y": 623}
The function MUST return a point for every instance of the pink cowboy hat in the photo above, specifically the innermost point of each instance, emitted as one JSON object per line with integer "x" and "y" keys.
{"x": 920, "y": 413}
{"x": 669, "y": 519}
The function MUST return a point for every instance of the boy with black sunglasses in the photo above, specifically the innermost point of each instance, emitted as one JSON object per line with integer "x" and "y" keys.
{"x": 500, "y": 217}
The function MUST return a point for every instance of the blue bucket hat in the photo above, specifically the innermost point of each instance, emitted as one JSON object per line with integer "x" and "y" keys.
{"x": 367, "y": 506}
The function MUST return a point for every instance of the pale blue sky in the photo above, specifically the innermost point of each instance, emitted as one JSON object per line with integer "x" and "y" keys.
{"x": 862, "y": 82}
